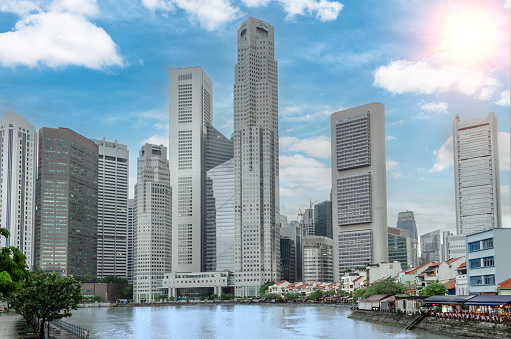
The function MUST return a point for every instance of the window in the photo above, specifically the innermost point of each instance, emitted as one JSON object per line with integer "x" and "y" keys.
{"x": 487, "y": 243}
{"x": 475, "y": 263}
{"x": 488, "y": 261}
{"x": 473, "y": 246}
{"x": 476, "y": 281}
{"x": 489, "y": 279}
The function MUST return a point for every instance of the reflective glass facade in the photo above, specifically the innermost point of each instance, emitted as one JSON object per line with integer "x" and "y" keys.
{"x": 317, "y": 259}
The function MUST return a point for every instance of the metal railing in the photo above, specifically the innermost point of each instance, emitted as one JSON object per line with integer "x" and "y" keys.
{"x": 79, "y": 331}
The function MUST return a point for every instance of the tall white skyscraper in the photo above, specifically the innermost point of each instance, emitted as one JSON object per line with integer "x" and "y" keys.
{"x": 112, "y": 209}
{"x": 18, "y": 154}
{"x": 359, "y": 190}
{"x": 153, "y": 223}
{"x": 190, "y": 112}
{"x": 256, "y": 158}
{"x": 476, "y": 174}
{"x": 131, "y": 245}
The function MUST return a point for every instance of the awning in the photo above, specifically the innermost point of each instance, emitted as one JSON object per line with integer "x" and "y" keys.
{"x": 448, "y": 299}
{"x": 489, "y": 300}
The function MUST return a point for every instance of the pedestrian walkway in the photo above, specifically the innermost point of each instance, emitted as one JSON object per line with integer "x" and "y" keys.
{"x": 13, "y": 325}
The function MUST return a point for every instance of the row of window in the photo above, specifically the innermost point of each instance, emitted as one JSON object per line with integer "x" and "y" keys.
{"x": 480, "y": 245}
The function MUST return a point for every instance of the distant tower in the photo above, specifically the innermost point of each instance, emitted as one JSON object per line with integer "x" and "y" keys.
{"x": 431, "y": 247}
{"x": 112, "y": 209}
{"x": 131, "y": 226}
{"x": 476, "y": 174}
{"x": 153, "y": 223}
{"x": 359, "y": 196}
{"x": 18, "y": 154}
{"x": 256, "y": 159}
{"x": 406, "y": 221}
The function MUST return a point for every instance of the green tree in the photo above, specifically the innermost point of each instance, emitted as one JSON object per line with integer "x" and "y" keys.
{"x": 315, "y": 295}
{"x": 342, "y": 293}
{"x": 435, "y": 288}
{"x": 213, "y": 296}
{"x": 226, "y": 296}
{"x": 114, "y": 279}
{"x": 359, "y": 294}
{"x": 290, "y": 295}
{"x": 127, "y": 292}
{"x": 13, "y": 268}
{"x": 262, "y": 289}
{"x": 348, "y": 270}
{"x": 47, "y": 296}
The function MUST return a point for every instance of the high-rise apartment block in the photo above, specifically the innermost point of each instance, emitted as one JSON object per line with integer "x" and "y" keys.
{"x": 256, "y": 158}
{"x": 67, "y": 204}
{"x": 317, "y": 259}
{"x": 18, "y": 161}
{"x": 323, "y": 219}
{"x": 476, "y": 174}
{"x": 153, "y": 223}
{"x": 359, "y": 198}
{"x": 431, "y": 247}
{"x": 113, "y": 162}
{"x": 190, "y": 112}
{"x": 400, "y": 247}
{"x": 406, "y": 221}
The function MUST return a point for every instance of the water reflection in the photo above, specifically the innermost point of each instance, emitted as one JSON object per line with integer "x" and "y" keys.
{"x": 233, "y": 321}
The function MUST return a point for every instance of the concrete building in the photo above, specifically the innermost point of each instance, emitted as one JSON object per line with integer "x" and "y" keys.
{"x": 256, "y": 158}
{"x": 18, "y": 161}
{"x": 455, "y": 246}
{"x": 112, "y": 258}
{"x": 307, "y": 222}
{"x": 359, "y": 196}
{"x": 190, "y": 112}
{"x": 406, "y": 221}
{"x": 323, "y": 219}
{"x": 317, "y": 259}
{"x": 293, "y": 232}
{"x": 488, "y": 262}
{"x": 131, "y": 245}
{"x": 382, "y": 270}
{"x": 476, "y": 174}
{"x": 153, "y": 223}
{"x": 400, "y": 247}
{"x": 431, "y": 247}
{"x": 67, "y": 204}
{"x": 198, "y": 284}
{"x": 287, "y": 259}
{"x": 445, "y": 246}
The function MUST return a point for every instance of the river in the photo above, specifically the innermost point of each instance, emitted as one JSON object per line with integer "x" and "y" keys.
{"x": 233, "y": 321}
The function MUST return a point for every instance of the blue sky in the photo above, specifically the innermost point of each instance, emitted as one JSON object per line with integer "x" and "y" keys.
{"x": 101, "y": 69}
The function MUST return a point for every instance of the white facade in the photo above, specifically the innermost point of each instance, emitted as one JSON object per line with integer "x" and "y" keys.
{"x": 131, "y": 246}
{"x": 190, "y": 111}
{"x": 153, "y": 223}
{"x": 456, "y": 246}
{"x": 113, "y": 176}
{"x": 476, "y": 174}
{"x": 317, "y": 259}
{"x": 488, "y": 261}
{"x": 18, "y": 154}
{"x": 359, "y": 196}
{"x": 217, "y": 282}
{"x": 382, "y": 271}
{"x": 256, "y": 159}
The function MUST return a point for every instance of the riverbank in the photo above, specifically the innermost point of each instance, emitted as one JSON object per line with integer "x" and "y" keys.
{"x": 207, "y": 302}
{"x": 452, "y": 327}
{"x": 14, "y": 326}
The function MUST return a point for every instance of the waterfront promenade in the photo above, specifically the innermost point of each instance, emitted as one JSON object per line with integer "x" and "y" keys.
{"x": 13, "y": 325}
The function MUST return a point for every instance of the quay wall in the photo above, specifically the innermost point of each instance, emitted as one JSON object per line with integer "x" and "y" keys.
{"x": 452, "y": 327}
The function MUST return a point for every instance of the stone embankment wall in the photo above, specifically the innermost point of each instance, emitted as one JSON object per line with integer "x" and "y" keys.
{"x": 453, "y": 327}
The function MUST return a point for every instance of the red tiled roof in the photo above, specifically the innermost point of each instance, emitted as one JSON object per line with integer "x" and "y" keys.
{"x": 357, "y": 278}
{"x": 463, "y": 266}
{"x": 421, "y": 275}
{"x": 451, "y": 284}
{"x": 434, "y": 265}
{"x": 280, "y": 283}
{"x": 505, "y": 284}
{"x": 450, "y": 261}
{"x": 417, "y": 268}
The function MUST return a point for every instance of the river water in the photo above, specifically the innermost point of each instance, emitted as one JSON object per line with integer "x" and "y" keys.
{"x": 233, "y": 321}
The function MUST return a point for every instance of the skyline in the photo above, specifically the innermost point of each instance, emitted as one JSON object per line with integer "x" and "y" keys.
{"x": 123, "y": 88}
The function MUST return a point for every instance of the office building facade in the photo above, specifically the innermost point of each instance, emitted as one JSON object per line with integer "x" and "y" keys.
{"x": 293, "y": 232}
{"x": 131, "y": 245}
{"x": 431, "y": 247}
{"x": 112, "y": 257}
{"x": 318, "y": 259}
{"x": 18, "y": 155}
{"x": 400, "y": 247}
{"x": 323, "y": 219}
{"x": 153, "y": 223}
{"x": 406, "y": 221}
{"x": 287, "y": 259}
{"x": 359, "y": 198}
{"x": 67, "y": 204}
{"x": 256, "y": 158}
{"x": 476, "y": 174}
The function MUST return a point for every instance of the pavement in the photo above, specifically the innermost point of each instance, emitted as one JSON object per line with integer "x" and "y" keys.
{"x": 13, "y": 325}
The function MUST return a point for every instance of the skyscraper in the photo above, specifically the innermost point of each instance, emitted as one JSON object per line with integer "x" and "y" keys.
{"x": 287, "y": 259}
{"x": 131, "y": 245}
{"x": 112, "y": 209}
{"x": 67, "y": 204}
{"x": 256, "y": 158}
{"x": 317, "y": 259}
{"x": 476, "y": 174}
{"x": 400, "y": 247}
{"x": 190, "y": 112}
{"x": 323, "y": 219}
{"x": 431, "y": 247}
{"x": 359, "y": 196}
{"x": 153, "y": 223}
{"x": 18, "y": 152}
{"x": 293, "y": 232}
{"x": 406, "y": 221}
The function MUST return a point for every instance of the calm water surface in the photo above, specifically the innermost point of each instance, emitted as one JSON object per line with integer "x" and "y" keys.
{"x": 233, "y": 321}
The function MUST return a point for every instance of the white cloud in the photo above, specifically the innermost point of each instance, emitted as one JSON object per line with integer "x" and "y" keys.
{"x": 504, "y": 98}
{"x": 296, "y": 113}
{"x": 390, "y": 137}
{"x": 507, "y": 3}
{"x": 160, "y": 125}
{"x": 298, "y": 160}
{"x": 318, "y": 147}
{"x": 298, "y": 173}
{"x": 156, "y": 140}
{"x": 392, "y": 170}
{"x": 325, "y": 10}
{"x": 443, "y": 157}
{"x": 438, "y": 107}
{"x": 20, "y": 7}
{"x": 504, "y": 151}
{"x": 504, "y": 189}
{"x": 395, "y": 123}
{"x": 59, "y": 36}
{"x": 422, "y": 116}
{"x": 211, "y": 14}
{"x": 404, "y": 76}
